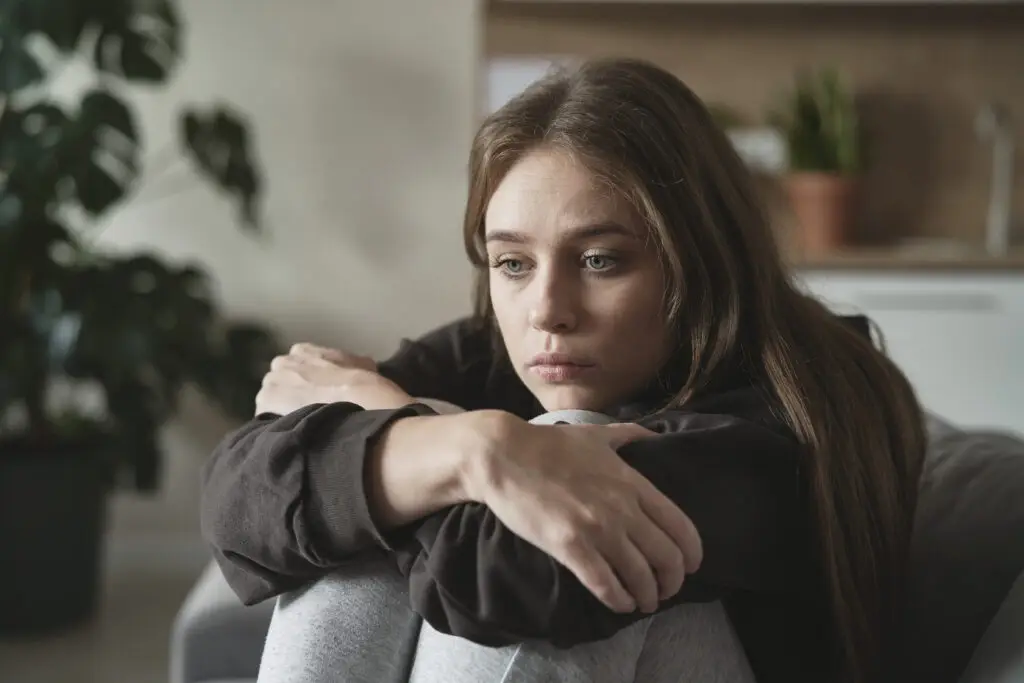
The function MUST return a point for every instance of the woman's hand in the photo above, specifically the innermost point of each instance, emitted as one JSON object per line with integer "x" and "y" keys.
{"x": 565, "y": 489}
{"x": 313, "y": 374}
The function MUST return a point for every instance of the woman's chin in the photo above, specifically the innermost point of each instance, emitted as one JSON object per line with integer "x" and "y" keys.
{"x": 568, "y": 397}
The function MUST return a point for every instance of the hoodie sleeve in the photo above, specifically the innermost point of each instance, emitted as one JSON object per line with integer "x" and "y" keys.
{"x": 283, "y": 497}
{"x": 738, "y": 481}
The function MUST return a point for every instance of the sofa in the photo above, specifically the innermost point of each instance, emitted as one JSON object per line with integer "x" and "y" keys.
{"x": 964, "y": 617}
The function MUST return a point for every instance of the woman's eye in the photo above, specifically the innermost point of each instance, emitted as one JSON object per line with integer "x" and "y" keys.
{"x": 509, "y": 267}
{"x": 599, "y": 262}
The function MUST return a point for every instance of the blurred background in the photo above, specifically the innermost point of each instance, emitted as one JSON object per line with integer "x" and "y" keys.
{"x": 189, "y": 186}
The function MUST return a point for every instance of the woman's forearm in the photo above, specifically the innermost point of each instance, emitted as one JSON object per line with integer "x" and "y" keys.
{"x": 424, "y": 464}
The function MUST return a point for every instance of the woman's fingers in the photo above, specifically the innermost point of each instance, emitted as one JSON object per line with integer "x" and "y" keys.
{"x": 675, "y": 523}
{"x": 597, "y": 576}
{"x": 282, "y": 363}
{"x": 335, "y": 356}
{"x": 661, "y": 552}
{"x": 635, "y": 572}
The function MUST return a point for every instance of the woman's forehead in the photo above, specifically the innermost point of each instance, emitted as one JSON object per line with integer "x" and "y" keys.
{"x": 548, "y": 195}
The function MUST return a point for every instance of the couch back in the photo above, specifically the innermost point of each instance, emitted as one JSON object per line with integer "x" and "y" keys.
{"x": 967, "y": 549}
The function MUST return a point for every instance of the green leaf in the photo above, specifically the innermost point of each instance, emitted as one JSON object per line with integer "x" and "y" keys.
{"x": 142, "y": 321}
{"x": 17, "y": 349}
{"x": 55, "y": 330}
{"x": 97, "y": 150}
{"x": 819, "y": 123}
{"x": 233, "y": 371}
{"x": 18, "y": 67}
{"x": 139, "y": 39}
{"x": 100, "y": 151}
{"x": 29, "y": 142}
{"x": 62, "y": 21}
{"x": 218, "y": 142}
{"x": 137, "y": 412}
{"x": 27, "y": 258}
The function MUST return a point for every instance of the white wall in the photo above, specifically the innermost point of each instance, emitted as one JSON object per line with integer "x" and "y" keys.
{"x": 364, "y": 113}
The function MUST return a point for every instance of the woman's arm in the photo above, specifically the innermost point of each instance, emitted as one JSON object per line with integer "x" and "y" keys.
{"x": 370, "y": 472}
{"x": 277, "y": 504}
{"x": 422, "y": 466}
{"x": 282, "y": 499}
{"x": 472, "y": 576}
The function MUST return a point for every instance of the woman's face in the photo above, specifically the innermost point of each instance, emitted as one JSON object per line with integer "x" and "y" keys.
{"x": 575, "y": 285}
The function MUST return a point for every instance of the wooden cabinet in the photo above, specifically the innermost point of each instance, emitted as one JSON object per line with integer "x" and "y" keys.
{"x": 958, "y": 337}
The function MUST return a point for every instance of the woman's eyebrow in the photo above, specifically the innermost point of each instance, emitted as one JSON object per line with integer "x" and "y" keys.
{"x": 581, "y": 232}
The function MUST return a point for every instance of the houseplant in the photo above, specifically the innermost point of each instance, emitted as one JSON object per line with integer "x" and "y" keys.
{"x": 95, "y": 347}
{"x": 818, "y": 121}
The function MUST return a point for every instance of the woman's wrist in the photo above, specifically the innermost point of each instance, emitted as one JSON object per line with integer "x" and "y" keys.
{"x": 370, "y": 391}
{"x": 484, "y": 438}
{"x": 424, "y": 464}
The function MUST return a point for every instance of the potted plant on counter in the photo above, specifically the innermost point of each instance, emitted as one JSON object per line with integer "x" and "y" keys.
{"x": 95, "y": 346}
{"x": 818, "y": 121}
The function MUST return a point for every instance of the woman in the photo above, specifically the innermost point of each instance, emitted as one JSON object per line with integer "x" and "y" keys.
{"x": 768, "y": 455}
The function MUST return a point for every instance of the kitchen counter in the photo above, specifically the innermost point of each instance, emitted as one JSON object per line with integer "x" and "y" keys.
{"x": 912, "y": 259}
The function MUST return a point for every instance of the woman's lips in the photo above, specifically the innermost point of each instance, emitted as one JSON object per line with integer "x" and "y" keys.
{"x": 560, "y": 372}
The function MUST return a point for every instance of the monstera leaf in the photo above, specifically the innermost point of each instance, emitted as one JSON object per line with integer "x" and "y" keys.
{"x": 30, "y": 136}
{"x": 134, "y": 327}
{"x": 218, "y": 143}
{"x": 146, "y": 329}
{"x": 99, "y": 151}
{"x": 18, "y": 67}
{"x": 62, "y": 21}
{"x": 232, "y": 372}
{"x": 138, "y": 39}
{"x": 29, "y": 142}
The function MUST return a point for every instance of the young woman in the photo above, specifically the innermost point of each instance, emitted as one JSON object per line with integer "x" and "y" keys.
{"x": 767, "y": 455}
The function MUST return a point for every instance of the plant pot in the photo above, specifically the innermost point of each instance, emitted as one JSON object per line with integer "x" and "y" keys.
{"x": 823, "y": 206}
{"x": 52, "y": 515}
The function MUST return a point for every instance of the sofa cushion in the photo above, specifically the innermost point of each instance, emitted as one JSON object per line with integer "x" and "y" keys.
{"x": 215, "y": 638}
{"x": 967, "y": 549}
{"x": 999, "y": 657}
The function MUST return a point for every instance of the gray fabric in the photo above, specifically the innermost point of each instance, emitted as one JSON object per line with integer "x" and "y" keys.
{"x": 687, "y": 644}
{"x": 967, "y": 549}
{"x": 579, "y": 417}
{"x": 999, "y": 657}
{"x": 355, "y": 626}
{"x": 964, "y": 560}
{"x": 215, "y": 636}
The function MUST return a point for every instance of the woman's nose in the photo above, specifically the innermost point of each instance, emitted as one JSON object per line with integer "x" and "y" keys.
{"x": 554, "y": 303}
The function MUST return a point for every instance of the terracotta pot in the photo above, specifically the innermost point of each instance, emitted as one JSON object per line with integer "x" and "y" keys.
{"x": 822, "y": 204}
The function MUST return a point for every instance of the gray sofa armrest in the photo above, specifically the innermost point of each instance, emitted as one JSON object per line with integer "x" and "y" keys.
{"x": 216, "y": 637}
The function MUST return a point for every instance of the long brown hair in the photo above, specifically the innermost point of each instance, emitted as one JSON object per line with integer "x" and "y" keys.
{"x": 731, "y": 300}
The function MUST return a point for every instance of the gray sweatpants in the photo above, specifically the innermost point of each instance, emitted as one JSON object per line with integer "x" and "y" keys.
{"x": 355, "y": 626}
